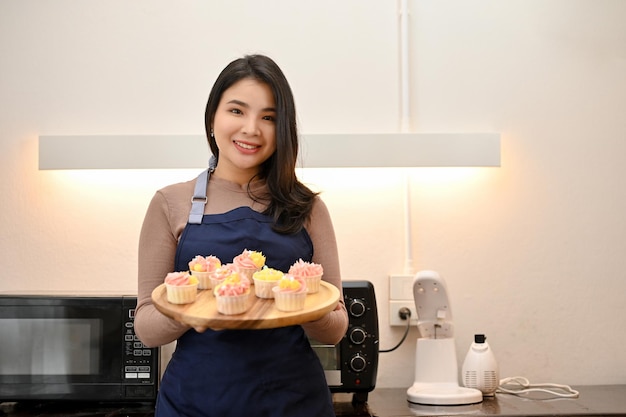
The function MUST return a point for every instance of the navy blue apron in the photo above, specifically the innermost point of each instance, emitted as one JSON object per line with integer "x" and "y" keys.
{"x": 268, "y": 372}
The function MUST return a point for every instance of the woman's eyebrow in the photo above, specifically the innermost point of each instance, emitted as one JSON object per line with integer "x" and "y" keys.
{"x": 246, "y": 105}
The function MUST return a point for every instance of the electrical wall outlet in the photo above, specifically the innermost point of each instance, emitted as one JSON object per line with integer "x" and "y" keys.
{"x": 394, "y": 312}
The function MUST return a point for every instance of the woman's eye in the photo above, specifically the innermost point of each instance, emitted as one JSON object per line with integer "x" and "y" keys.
{"x": 235, "y": 111}
{"x": 269, "y": 118}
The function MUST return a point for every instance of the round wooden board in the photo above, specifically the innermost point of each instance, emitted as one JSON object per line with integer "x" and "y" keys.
{"x": 261, "y": 314}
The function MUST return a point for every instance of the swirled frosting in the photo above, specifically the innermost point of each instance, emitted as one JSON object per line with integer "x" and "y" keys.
{"x": 249, "y": 259}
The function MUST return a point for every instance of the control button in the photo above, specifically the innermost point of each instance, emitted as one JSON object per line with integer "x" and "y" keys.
{"x": 356, "y": 308}
{"x": 131, "y": 313}
{"x": 147, "y": 352}
{"x": 144, "y": 375}
{"x": 143, "y": 369}
{"x": 137, "y": 345}
{"x": 357, "y": 335}
{"x": 358, "y": 363}
{"x": 128, "y": 337}
{"x": 128, "y": 324}
{"x": 137, "y": 352}
{"x": 131, "y": 375}
{"x": 130, "y": 369}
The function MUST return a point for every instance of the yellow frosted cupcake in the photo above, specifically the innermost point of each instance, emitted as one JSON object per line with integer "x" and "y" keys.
{"x": 310, "y": 272}
{"x": 248, "y": 262}
{"x": 201, "y": 267}
{"x": 290, "y": 293}
{"x": 232, "y": 294}
{"x": 265, "y": 280}
{"x": 181, "y": 287}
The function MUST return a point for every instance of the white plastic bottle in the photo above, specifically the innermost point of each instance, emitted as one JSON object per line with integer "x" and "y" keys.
{"x": 480, "y": 368}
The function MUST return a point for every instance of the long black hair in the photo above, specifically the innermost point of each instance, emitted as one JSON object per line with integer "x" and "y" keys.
{"x": 290, "y": 201}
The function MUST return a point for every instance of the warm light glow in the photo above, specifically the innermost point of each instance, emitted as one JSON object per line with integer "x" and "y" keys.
{"x": 327, "y": 178}
{"x": 373, "y": 178}
{"x": 447, "y": 175}
{"x": 353, "y": 178}
{"x": 122, "y": 179}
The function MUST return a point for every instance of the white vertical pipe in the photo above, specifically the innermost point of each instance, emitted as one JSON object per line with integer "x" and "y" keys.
{"x": 408, "y": 244}
{"x": 405, "y": 113}
{"x": 405, "y": 127}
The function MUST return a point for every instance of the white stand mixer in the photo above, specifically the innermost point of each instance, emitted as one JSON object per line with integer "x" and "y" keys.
{"x": 436, "y": 370}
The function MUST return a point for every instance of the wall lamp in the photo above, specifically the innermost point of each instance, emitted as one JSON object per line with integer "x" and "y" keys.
{"x": 316, "y": 151}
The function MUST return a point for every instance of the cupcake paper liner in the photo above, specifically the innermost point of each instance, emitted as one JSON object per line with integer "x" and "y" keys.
{"x": 247, "y": 273}
{"x": 313, "y": 283}
{"x": 234, "y": 304}
{"x": 204, "y": 281}
{"x": 263, "y": 288}
{"x": 289, "y": 301}
{"x": 181, "y": 294}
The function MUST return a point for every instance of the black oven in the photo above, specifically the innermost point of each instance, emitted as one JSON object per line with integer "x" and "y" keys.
{"x": 351, "y": 365}
{"x": 83, "y": 348}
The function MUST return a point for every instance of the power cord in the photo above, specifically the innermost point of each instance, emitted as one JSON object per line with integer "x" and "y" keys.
{"x": 523, "y": 384}
{"x": 564, "y": 391}
{"x": 405, "y": 314}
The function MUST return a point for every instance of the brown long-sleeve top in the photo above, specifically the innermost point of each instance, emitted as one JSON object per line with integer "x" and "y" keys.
{"x": 163, "y": 225}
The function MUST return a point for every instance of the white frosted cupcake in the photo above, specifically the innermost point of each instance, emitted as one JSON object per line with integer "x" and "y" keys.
{"x": 248, "y": 262}
{"x": 265, "y": 280}
{"x": 310, "y": 272}
{"x": 232, "y": 295}
{"x": 290, "y": 293}
{"x": 201, "y": 267}
{"x": 181, "y": 288}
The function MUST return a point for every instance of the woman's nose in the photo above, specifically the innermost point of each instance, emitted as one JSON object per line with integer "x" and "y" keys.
{"x": 250, "y": 126}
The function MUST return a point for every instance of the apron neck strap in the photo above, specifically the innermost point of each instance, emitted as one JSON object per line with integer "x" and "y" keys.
{"x": 199, "y": 199}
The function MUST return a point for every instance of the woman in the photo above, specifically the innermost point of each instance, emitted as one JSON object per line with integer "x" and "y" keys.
{"x": 253, "y": 201}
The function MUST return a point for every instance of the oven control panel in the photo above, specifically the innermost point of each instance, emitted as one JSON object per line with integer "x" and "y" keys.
{"x": 358, "y": 350}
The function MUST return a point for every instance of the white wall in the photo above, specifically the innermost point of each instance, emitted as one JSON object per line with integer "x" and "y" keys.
{"x": 531, "y": 251}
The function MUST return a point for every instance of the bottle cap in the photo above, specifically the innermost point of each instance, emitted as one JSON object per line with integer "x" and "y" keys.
{"x": 479, "y": 338}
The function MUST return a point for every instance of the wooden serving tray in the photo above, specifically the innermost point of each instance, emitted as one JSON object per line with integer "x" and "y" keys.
{"x": 261, "y": 314}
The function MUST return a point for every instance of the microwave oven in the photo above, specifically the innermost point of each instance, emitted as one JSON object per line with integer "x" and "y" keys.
{"x": 351, "y": 366}
{"x": 74, "y": 348}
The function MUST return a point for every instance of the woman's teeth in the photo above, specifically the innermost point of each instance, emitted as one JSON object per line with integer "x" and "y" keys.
{"x": 245, "y": 145}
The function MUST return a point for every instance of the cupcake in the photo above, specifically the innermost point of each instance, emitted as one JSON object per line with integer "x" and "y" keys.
{"x": 201, "y": 267}
{"x": 181, "y": 287}
{"x": 248, "y": 262}
{"x": 310, "y": 272}
{"x": 265, "y": 280}
{"x": 232, "y": 294}
{"x": 220, "y": 274}
{"x": 290, "y": 293}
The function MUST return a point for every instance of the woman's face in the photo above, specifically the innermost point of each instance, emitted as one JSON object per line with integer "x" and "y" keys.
{"x": 244, "y": 129}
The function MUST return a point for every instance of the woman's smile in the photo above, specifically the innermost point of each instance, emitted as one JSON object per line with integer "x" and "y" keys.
{"x": 246, "y": 146}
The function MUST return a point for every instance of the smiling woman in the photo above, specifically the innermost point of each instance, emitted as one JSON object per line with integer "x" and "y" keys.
{"x": 249, "y": 199}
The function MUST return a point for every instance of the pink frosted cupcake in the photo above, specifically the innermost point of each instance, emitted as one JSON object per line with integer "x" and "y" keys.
{"x": 232, "y": 294}
{"x": 310, "y": 272}
{"x": 248, "y": 262}
{"x": 181, "y": 287}
{"x": 220, "y": 274}
{"x": 290, "y": 293}
{"x": 265, "y": 280}
{"x": 201, "y": 267}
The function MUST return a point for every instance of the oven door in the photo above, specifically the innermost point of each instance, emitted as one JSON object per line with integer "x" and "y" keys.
{"x": 60, "y": 347}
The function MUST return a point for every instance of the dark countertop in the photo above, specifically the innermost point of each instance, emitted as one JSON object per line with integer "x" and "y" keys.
{"x": 594, "y": 400}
